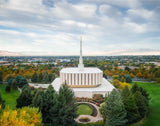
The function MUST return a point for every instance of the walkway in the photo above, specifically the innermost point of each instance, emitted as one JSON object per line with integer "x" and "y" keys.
{"x": 92, "y": 118}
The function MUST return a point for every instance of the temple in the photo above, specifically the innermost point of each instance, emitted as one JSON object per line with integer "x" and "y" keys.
{"x": 85, "y": 81}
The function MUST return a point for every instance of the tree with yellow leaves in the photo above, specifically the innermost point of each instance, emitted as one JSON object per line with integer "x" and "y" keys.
{"x": 21, "y": 117}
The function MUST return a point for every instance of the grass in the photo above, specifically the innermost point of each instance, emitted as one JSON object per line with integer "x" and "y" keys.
{"x": 153, "y": 119}
{"x": 10, "y": 98}
{"x": 84, "y": 109}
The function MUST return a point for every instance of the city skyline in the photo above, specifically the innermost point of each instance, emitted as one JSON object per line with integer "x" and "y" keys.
{"x": 53, "y": 27}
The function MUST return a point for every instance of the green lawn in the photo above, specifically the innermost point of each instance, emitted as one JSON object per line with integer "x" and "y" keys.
{"x": 153, "y": 118}
{"x": 84, "y": 109}
{"x": 10, "y": 98}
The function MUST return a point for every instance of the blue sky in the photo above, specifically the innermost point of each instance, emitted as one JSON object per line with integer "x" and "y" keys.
{"x": 54, "y": 27}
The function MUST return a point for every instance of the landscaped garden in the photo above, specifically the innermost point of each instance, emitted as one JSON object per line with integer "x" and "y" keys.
{"x": 84, "y": 109}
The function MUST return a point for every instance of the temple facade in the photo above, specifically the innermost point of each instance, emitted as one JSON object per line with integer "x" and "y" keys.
{"x": 84, "y": 81}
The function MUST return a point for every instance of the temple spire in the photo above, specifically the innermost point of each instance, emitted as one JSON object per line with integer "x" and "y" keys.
{"x": 81, "y": 65}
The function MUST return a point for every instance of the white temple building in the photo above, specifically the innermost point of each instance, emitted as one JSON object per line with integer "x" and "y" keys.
{"x": 84, "y": 81}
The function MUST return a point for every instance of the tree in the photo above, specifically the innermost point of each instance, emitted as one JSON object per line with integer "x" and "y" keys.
{"x": 40, "y": 77}
{"x": 49, "y": 101}
{"x": 22, "y": 82}
{"x": 25, "y": 98}
{"x": 45, "y": 77}
{"x": 103, "y": 111}
{"x": 2, "y": 102}
{"x": 128, "y": 78}
{"x": 21, "y": 117}
{"x": 34, "y": 77}
{"x": 8, "y": 89}
{"x": 134, "y": 88}
{"x": 67, "y": 107}
{"x": 116, "y": 112}
{"x": 130, "y": 105}
{"x": 1, "y": 76}
{"x": 10, "y": 82}
{"x": 141, "y": 103}
{"x": 38, "y": 98}
{"x": 14, "y": 85}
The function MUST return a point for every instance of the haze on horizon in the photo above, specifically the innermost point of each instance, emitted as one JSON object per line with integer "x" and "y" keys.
{"x": 54, "y": 27}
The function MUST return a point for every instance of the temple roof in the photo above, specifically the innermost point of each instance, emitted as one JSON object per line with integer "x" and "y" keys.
{"x": 76, "y": 70}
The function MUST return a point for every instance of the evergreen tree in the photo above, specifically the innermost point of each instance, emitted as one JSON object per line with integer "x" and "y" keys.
{"x": 34, "y": 77}
{"x": 2, "y": 102}
{"x": 141, "y": 103}
{"x": 14, "y": 85}
{"x": 67, "y": 108}
{"x": 10, "y": 82}
{"x": 8, "y": 88}
{"x": 116, "y": 112}
{"x": 49, "y": 101}
{"x": 128, "y": 78}
{"x": 50, "y": 77}
{"x": 25, "y": 98}
{"x": 132, "y": 109}
{"x": 1, "y": 76}
{"x": 45, "y": 77}
{"x": 18, "y": 78}
{"x": 40, "y": 77}
{"x": 22, "y": 82}
{"x": 37, "y": 98}
{"x": 103, "y": 112}
{"x": 134, "y": 88}
{"x": 130, "y": 105}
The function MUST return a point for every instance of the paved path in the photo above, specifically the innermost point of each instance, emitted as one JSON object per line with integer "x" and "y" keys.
{"x": 92, "y": 118}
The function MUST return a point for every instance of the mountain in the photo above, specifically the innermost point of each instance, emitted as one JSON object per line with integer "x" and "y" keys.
{"x": 7, "y": 53}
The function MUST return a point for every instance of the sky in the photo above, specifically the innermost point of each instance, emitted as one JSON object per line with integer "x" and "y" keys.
{"x": 54, "y": 27}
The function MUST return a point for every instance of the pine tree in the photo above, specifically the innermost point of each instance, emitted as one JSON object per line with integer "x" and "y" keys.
{"x": 141, "y": 103}
{"x": 128, "y": 78}
{"x": 34, "y": 77}
{"x": 130, "y": 105}
{"x": 38, "y": 98}
{"x": 67, "y": 107}
{"x": 40, "y": 77}
{"x": 49, "y": 101}
{"x": 1, "y": 76}
{"x": 115, "y": 110}
{"x": 45, "y": 77}
{"x": 14, "y": 85}
{"x": 134, "y": 88}
{"x": 25, "y": 98}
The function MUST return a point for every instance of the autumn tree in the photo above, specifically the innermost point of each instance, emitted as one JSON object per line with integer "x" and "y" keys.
{"x": 21, "y": 117}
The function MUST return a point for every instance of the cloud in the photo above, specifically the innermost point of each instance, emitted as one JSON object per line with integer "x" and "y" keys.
{"x": 55, "y": 25}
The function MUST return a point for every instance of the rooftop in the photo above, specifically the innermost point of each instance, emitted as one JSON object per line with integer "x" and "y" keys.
{"x": 76, "y": 70}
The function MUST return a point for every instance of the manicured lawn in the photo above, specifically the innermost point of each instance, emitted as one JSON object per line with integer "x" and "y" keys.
{"x": 10, "y": 98}
{"x": 153, "y": 118}
{"x": 84, "y": 109}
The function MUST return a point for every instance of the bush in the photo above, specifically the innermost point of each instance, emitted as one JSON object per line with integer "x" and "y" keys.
{"x": 8, "y": 88}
